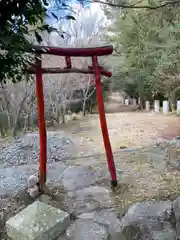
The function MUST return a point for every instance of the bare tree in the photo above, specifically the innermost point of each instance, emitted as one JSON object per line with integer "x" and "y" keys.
{"x": 17, "y": 102}
{"x": 58, "y": 89}
{"x": 85, "y": 31}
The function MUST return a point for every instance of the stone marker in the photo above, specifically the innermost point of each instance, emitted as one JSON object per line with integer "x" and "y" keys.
{"x": 165, "y": 107}
{"x": 134, "y": 102}
{"x": 147, "y": 106}
{"x": 156, "y": 106}
{"x": 178, "y": 107}
{"x": 38, "y": 222}
{"x": 139, "y": 101}
{"x": 127, "y": 102}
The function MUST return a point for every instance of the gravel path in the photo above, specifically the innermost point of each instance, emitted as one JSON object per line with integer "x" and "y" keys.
{"x": 25, "y": 151}
{"x": 20, "y": 159}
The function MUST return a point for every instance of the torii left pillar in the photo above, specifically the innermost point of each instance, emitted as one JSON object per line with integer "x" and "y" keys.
{"x": 41, "y": 123}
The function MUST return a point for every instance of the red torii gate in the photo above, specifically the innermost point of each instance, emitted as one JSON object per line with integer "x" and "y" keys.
{"x": 94, "y": 69}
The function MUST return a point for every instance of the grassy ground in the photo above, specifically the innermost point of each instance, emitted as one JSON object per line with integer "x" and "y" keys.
{"x": 143, "y": 179}
{"x": 142, "y": 175}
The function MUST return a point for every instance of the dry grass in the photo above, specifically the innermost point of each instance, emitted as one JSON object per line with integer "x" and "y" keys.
{"x": 140, "y": 177}
{"x": 143, "y": 180}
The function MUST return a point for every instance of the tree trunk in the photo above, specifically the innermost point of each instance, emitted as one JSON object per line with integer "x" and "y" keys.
{"x": 63, "y": 115}
{"x": 140, "y": 102}
{"x": 2, "y": 132}
{"x": 58, "y": 115}
{"x": 87, "y": 97}
{"x": 172, "y": 106}
{"x": 14, "y": 129}
{"x": 26, "y": 119}
{"x": 84, "y": 106}
{"x": 171, "y": 99}
{"x": 7, "y": 104}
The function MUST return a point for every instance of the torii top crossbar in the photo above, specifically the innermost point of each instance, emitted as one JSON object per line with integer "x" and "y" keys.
{"x": 73, "y": 52}
{"x": 95, "y": 69}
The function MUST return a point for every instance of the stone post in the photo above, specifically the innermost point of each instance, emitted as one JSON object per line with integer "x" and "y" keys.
{"x": 127, "y": 102}
{"x": 147, "y": 106}
{"x": 139, "y": 101}
{"x": 156, "y": 105}
{"x": 178, "y": 107}
{"x": 165, "y": 107}
{"x": 134, "y": 102}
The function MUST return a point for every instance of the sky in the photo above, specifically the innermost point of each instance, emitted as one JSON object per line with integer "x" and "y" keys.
{"x": 87, "y": 15}
{"x": 92, "y": 7}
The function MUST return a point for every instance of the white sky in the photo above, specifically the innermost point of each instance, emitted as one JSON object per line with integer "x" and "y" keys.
{"x": 93, "y": 7}
{"x": 93, "y": 10}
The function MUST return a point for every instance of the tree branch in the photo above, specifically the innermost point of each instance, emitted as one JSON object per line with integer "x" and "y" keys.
{"x": 121, "y": 5}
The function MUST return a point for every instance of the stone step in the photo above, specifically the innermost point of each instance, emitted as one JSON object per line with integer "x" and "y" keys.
{"x": 96, "y": 225}
{"x": 87, "y": 230}
{"x": 38, "y": 221}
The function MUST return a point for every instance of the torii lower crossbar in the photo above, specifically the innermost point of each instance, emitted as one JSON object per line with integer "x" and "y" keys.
{"x": 97, "y": 71}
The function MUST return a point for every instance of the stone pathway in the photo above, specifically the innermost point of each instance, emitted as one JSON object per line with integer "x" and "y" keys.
{"x": 82, "y": 189}
{"x": 150, "y": 220}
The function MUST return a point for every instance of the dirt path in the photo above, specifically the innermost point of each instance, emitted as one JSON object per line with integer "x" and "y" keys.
{"x": 125, "y": 130}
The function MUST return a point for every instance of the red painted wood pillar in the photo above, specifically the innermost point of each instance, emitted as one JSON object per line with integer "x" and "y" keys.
{"x": 103, "y": 123}
{"x": 41, "y": 122}
{"x": 68, "y": 62}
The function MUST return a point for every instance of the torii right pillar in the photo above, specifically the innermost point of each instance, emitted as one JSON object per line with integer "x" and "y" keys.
{"x": 103, "y": 123}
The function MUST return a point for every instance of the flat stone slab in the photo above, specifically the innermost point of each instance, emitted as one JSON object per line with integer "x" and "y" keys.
{"x": 103, "y": 217}
{"x": 89, "y": 199}
{"x": 75, "y": 177}
{"x": 38, "y": 222}
{"x": 87, "y": 230}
